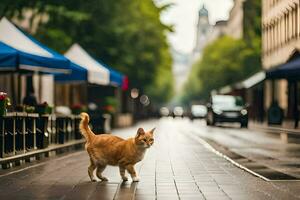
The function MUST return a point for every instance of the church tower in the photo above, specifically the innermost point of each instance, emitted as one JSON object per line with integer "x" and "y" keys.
{"x": 203, "y": 30}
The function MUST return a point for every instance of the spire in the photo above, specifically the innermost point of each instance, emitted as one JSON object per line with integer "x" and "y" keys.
{"x": 203, "y": 11}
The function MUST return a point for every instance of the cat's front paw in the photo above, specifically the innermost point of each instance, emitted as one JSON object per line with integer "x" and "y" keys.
{"x": 136, "y": 179}
{"x": 124, "y": 178}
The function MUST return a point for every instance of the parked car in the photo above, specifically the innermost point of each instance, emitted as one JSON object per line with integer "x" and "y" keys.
{"x": 178, "y": 111}
{"x": 198, "y": 112}
{"x": 164, "y": 112}
{"x": 227, "y": 108}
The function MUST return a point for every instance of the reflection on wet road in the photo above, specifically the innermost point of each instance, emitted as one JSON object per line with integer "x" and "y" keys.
{"x": 263, "y": 152}
{"x": 178, "y": 166}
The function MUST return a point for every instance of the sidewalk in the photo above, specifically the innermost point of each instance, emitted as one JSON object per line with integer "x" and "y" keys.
{"x": 287, "y": 126}
{"x": 177, "y": 167}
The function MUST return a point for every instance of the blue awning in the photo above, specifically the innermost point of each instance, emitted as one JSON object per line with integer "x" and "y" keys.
{"x": 289, "y": 70}
{"x": 87, "y": 69}
{"x": 29, "y": 54}
{"x": 115, "y": 77}
{"x": 96, "y": 72}
{"x": 8, "y": 56}
{"x": 78, "y": 74}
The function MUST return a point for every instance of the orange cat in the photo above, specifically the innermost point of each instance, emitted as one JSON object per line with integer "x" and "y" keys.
{"x": 107, "y": 149}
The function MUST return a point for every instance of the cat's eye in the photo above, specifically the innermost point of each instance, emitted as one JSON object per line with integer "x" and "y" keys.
{"x": 144, "y": 140}
{"x": 151, "y": 140}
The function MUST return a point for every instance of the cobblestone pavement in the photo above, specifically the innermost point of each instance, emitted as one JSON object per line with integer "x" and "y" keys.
{"x": 176, "y": 167}
{"x": 263, "y": 152}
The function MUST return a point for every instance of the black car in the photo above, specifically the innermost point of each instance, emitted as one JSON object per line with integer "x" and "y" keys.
{"x": 227, "y": 108}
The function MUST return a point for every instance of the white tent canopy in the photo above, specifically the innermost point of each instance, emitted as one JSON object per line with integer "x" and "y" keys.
{"x": 29, "y": 54}
{"x": 97, "y": 73}
{"x": 254, "y": 79}
{"x": 11, "y": 35}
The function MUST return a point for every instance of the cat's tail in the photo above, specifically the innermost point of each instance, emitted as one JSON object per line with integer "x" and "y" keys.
{"x": 84, "y": 127}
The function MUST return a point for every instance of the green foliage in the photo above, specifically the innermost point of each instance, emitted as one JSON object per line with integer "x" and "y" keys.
{"x": 126, "y": 34}
{"x": 227, "y": 60}
{"x": 111, "y": 101}
{"x": 162, "y": 89}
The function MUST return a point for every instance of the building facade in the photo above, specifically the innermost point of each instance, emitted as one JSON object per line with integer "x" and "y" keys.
{"x": 219, "y": 30}
{"x": 280, "y": 46}
{"x": 181, "y": 68}
{"x": 234, "y": 26}
{"x": 281, "y": 31}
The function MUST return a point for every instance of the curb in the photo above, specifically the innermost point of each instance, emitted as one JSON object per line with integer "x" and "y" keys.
{"x": 17, "y": 160}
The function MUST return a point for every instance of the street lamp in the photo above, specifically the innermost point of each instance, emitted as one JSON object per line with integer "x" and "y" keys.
{"x": 144, "y": 99}
{"x": 134, "y": 93}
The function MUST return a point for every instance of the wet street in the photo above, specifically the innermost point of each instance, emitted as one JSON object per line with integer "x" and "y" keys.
{"x": 182, "y": 164}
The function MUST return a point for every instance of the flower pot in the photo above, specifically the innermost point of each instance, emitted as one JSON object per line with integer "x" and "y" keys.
{"x": 40, "y": 109}
{"x": 76, "y": 111}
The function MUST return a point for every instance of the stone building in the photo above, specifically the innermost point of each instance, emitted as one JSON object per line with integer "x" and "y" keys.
{"x": 219, "y": 30}
{"x": 234, "y": 27}
{"x": 203, "y": 32}
{"x": 280, "y": 55}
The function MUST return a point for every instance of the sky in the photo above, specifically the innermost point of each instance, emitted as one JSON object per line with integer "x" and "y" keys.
{"x": 184, "y": 15}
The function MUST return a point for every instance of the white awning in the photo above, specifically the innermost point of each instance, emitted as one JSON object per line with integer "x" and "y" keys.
{"x": 254, "y": 80}
{"x": 29, "y": 53}
{"x": 245, "y": 84}
{"x": 12, "y": 36}
{"x": 97, "y": 73}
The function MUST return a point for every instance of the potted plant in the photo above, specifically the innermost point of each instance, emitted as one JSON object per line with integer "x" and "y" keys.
{"x": 110, "y": 105}
{"x": 20, "y": 108}
{"x": 43, "y": 108}
{"x": 77, "y": 109}
{"x": 29, "y": 109}
{"x": 4, "y": 103}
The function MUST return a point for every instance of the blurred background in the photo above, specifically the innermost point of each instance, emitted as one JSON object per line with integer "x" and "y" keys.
{"x": 221, "y": 72}
{"x": 155, "y": 54}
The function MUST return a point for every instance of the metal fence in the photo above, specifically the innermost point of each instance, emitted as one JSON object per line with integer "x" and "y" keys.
{"x": 25, "y": 132}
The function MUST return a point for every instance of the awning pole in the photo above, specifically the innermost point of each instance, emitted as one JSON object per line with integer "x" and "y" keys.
{"x": 13, "y": 88}
{"x": 19, "y": 88}
{"x": 296, "y": 111}
{"x": 273, "y": 90}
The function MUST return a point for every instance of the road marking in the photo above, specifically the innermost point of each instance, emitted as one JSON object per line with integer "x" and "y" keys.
{"x": 211, "y": 148}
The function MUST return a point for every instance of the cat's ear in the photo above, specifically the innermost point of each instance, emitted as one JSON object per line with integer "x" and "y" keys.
{"x": 140, "y": 131}
{"x": 152, "y": 131}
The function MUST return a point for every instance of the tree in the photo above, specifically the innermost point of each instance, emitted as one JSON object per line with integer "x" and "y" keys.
{"x": 126, "y": 34}
{"x": 226, "y": 60}
{"x": 223, "y": 62}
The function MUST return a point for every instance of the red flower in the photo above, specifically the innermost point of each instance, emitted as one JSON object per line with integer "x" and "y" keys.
{"x": 2, "y": 96}
{"x": 125, "y": 83}
{"x": 77, "y": 106}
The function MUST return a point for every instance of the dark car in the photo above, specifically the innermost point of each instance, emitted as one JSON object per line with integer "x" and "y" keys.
{"x": 227, "y": 108}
